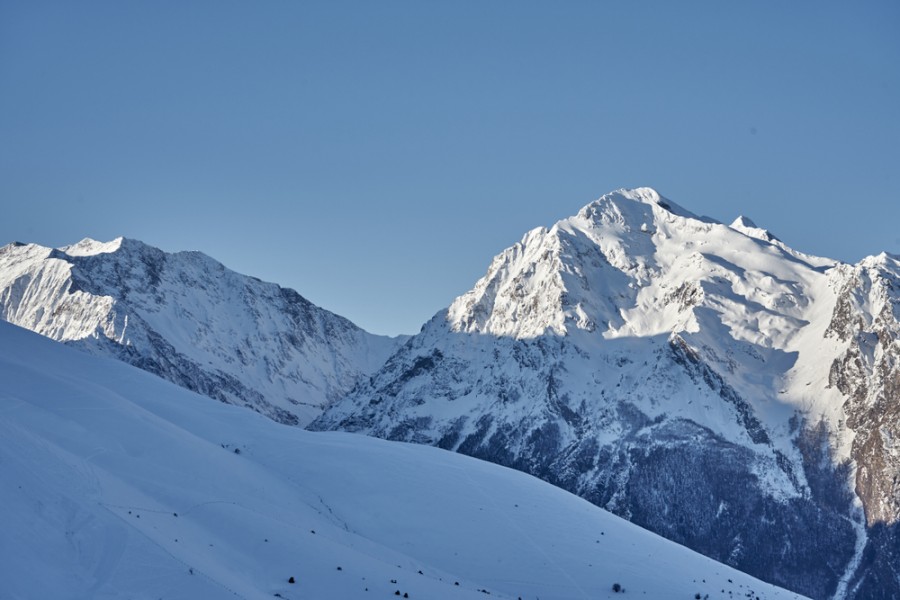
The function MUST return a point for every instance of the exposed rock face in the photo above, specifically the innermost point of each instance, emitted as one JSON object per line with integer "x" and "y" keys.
{"x": 706, "y": 382}
{"x": 866, "y": 317}
{"x": 867, "y": 373}
{"x": 188, "y": 319}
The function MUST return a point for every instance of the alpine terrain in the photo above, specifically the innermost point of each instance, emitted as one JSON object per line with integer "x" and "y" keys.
{"x": 187, "y": 318}
{"x": 117, "y": 484}
{"x": 704, "y": 381}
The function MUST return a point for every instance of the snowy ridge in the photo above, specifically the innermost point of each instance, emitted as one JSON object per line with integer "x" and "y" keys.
{"x": 95, "y": 508}
{"x": 187, "y": 318}
{"x": 89, "y": 247}
{"x": 634, "y": 343}
{"x": 749, "y": 228}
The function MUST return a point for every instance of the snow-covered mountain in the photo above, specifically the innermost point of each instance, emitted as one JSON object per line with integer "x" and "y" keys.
{"x": 704, "y": 381}
{"x": 187, "y": 318}
{"x": 118, "y": 484}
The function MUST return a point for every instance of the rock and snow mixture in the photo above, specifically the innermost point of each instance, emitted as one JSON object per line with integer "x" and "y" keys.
{"x": 702, "y": 380}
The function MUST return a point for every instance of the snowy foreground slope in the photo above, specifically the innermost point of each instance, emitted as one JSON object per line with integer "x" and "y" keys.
{"x": 117, "y": 484}
{"x": 703, "y": 380}
{"x": 190, "y": 320}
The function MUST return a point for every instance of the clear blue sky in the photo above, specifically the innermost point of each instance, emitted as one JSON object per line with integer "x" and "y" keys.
{"x": 376, "y": 155}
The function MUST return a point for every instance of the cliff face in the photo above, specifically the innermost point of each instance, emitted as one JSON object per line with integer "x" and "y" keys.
{"x": 867, "y": 372}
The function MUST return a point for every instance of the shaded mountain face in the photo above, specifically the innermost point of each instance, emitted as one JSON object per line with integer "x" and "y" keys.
{"x": 117, "y": 484}
{"x": 705, "y": 381}
{"x": 188, "y": 319}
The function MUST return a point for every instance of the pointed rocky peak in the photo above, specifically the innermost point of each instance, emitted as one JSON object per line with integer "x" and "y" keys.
{"x": 884, "y": 260}
{"x": 575, "y": 273}
{"x": 22, "y": 249}
{"x": 120, "y": 249}
{"x": 743, "y": 222}
{"x": 750, "y": 229}
{"x": 878, "y": 278}
{"x": 633, "y": 208}
{"x": 611, "y": 268}
{"x": 15, "y": 244}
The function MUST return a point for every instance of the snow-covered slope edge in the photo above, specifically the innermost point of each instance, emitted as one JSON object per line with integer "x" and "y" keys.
{"x": 705, "y": 381}
{"x": 187, "y": 318}
{"x": 119, "y": 484}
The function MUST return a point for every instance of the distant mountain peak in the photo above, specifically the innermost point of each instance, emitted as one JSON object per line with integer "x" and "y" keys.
{"x": 92, "y": 247}
{"x": 883, "y": 259}
{"x": 746, "y": 226}
{"x": 743, "y": 222}
{"x": 189, "y": 319}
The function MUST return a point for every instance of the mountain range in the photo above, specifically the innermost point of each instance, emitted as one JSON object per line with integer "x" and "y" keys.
{"x": 704, "y": 381}
{"x": 188, "y": 319}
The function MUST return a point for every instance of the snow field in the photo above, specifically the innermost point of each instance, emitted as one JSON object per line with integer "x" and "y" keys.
{"x": 118, "y": 484}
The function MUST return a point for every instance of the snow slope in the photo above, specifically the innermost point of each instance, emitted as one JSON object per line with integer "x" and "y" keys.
{"x": 117, "y": 484}
{"x": 703, "y": 380}
{"x": 189, "y": 319}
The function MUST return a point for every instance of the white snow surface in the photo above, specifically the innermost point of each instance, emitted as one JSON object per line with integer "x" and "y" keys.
{"x": 746, "y": 226}
{"x": 188, "y": 318}
{"x": 606, "y": 294}
{"x": 117, "y": 484}
{"x": 633, "y": 269}
{"x": 628, "y": 320}
{"x": 89, "y": 247}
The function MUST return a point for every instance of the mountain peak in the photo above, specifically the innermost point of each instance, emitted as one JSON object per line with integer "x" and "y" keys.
{"x": 634, "y": 344}
{"x": 882, "y": 260}
{"x": 189, "y": 319}
{"x": 746, "y": 226}
{"x": 648, "y": 195}
{"x": 91, "y": 247}
{"x": 626, "y": 203}
{"x": 744, "y": 222}
{"x": 548, "y": 281}
{"x": 614, "y": 268}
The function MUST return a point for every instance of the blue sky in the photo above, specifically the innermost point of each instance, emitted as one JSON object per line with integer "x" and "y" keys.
{"x": 376, "y": 155}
